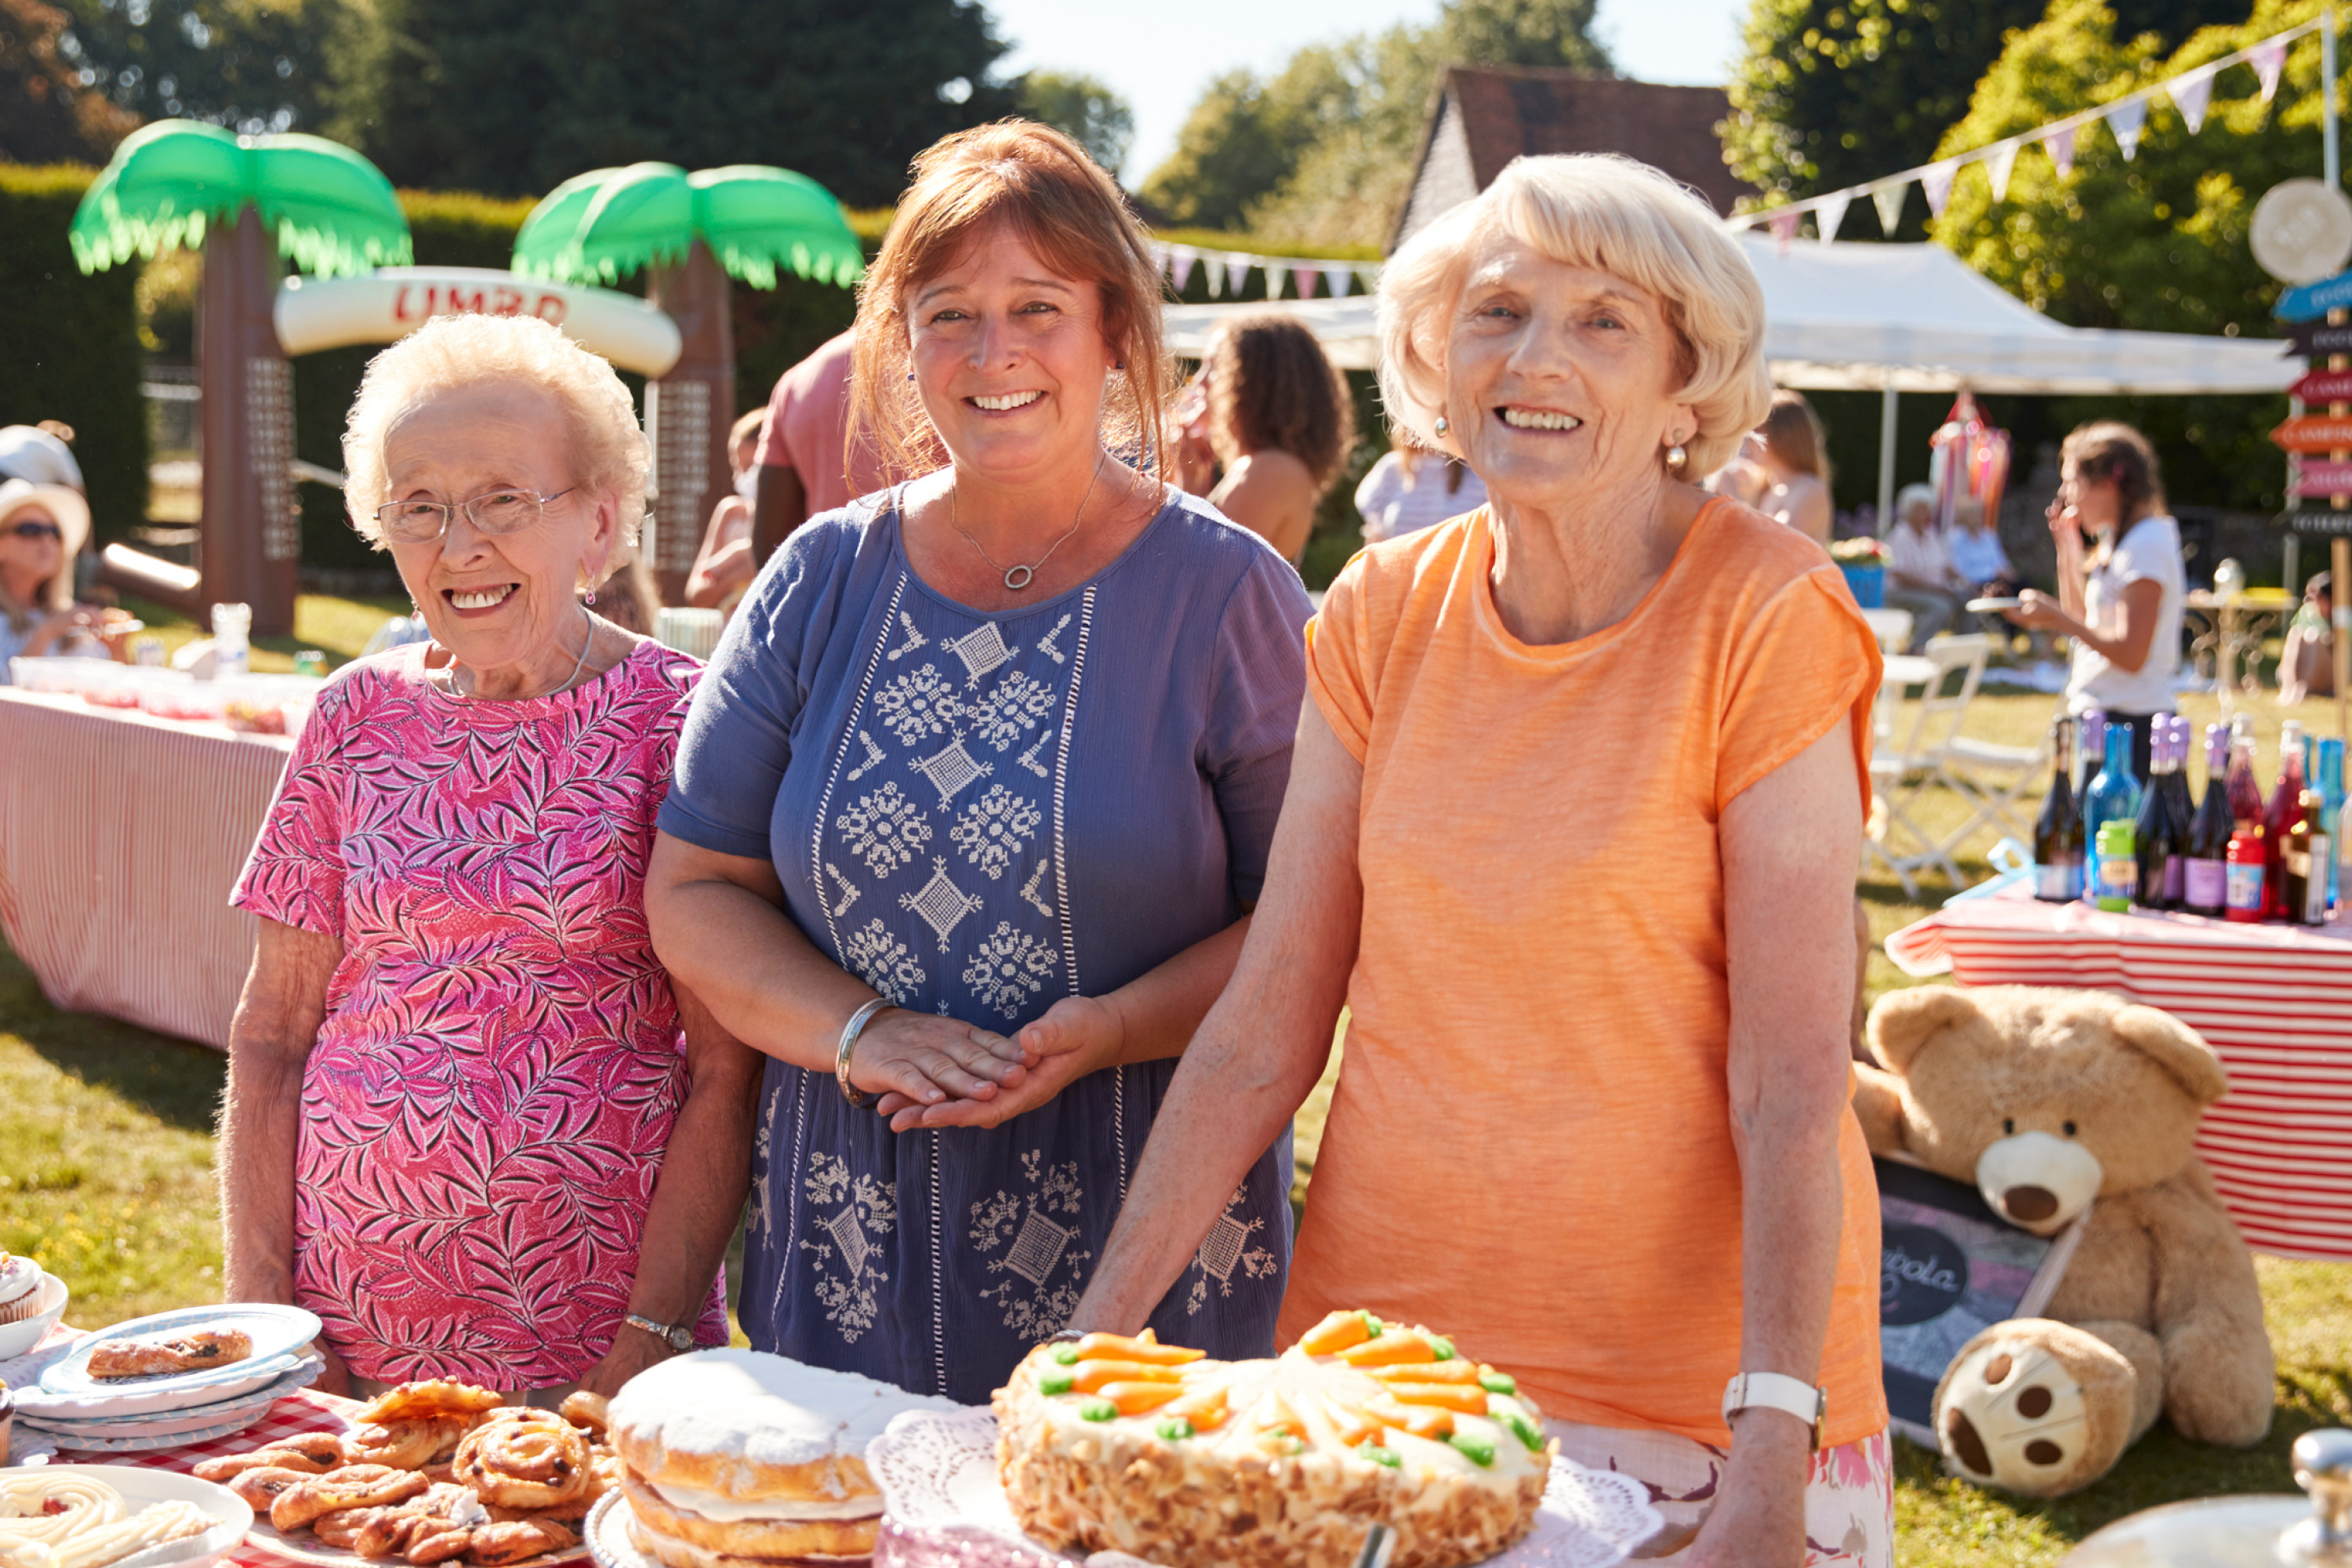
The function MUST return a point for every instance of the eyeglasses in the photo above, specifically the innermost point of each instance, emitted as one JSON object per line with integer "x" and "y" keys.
{"x": 37, "y": 530}
{"x": 496, "y": 512}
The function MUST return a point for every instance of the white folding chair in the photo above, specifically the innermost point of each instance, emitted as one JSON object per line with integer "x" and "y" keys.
{"x": 1891, "y": 627}
{"x": 1919, "y": 763}
{"x": 1996, "y": 777}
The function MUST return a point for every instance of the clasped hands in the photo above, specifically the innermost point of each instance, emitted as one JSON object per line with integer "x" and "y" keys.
{"x": 931, "y": 1071}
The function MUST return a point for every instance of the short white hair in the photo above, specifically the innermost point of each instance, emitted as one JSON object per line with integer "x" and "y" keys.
{"x": 608, "y": 450}
{"x": 1614, "y": 214}
{"x": 1914, "y": 495}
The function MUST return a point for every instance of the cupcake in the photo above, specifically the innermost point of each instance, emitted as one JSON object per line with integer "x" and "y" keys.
{"x": 20, "y": 1289}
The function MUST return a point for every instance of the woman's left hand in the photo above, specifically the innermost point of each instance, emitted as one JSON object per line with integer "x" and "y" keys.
{"x": 1759, "y": 1517}
{"x": 1078, "y": 1035}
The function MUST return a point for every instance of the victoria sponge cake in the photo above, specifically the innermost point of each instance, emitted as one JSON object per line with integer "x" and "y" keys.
{"x": 739, "y": 1459}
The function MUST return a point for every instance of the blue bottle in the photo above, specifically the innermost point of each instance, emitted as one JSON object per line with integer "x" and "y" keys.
{"x": 2331, "y": 790}
{"x": 2114, "y": 792}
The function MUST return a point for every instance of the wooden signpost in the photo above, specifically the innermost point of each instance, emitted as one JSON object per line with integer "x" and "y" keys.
{"x": 2321, "y": 318}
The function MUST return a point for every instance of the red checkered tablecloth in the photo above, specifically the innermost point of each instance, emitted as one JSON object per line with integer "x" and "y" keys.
{"x": 2274, "y": 1001}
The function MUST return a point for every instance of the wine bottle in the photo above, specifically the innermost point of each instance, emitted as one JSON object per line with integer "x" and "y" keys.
{"x": 2113, "y": 795}
{"x": 2184, "y": 809}
{"x": 2308, "y": 855}
{"x": 2058, "y": 831}
{"x": 2155, "y": 843}
{"x": 2207, "y": 872}
{"x": 2245, "y": 789}
{"x": 2278, "y": 819}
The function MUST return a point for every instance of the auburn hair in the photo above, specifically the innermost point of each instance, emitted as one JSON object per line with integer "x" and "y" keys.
{"x": 1792, "y": 433}
{"x": 2111, "y": 450}
{"x": 1271, "y": 384}
{"x": 1041, "y": 185}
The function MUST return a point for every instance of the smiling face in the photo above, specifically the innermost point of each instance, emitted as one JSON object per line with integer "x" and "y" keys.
{"x": 1008, "y": 358}
{"x": 1559, "y": 379}
{"x": 27, "y": 563}
{"x": 503, "y": 601}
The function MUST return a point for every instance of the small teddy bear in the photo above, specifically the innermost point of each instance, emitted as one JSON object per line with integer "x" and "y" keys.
{"x": 2047, "y": 1099}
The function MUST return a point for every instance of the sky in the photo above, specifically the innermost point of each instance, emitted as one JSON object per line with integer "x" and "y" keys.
{"x": 1159, "y": 54}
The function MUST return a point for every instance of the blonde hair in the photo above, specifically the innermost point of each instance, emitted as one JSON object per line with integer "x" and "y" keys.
{"x": 1616, "y": 215}
{"x": 607, "y": 449}
{"x": 1041, "y": 185}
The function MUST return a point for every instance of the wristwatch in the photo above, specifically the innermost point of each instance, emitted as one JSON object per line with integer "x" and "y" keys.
{"x": 678, "y": 1336}
{"x": 1778, "y": 1391}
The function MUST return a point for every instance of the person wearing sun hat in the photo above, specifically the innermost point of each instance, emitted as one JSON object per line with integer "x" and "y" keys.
{"x": 42, "y": 527}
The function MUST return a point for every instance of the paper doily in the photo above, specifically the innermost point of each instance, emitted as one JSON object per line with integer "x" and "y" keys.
{"x": 943, "y": 1507}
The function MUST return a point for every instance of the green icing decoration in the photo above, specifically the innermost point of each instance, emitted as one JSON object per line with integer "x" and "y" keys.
{"x": 1377, "y": 1327}
{"x": 1054, "y": 1382}
{"x": 1175, "y": 1430}
{"x": 1499, "y": 1383}
{"x": 1388, "y": 1457}
{"x": 1444, "y": 1348}
{"x": 1527, "y": 1432}
{"x": 1098, "y": 1410}
{"x": 1480, "y": 1451}
{"x": 1068, "y": 1355}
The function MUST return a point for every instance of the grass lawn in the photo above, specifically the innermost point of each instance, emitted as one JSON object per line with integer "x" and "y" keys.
{"x": 105, "y": 1150}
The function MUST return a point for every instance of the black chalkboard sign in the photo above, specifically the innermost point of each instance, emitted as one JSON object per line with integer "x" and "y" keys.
{"x": 1949, "y": 1267}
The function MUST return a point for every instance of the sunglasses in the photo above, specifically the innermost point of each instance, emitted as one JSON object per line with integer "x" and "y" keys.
{"x": 37, "y": 530}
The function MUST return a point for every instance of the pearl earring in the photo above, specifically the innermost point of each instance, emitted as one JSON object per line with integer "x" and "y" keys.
{"x": 1676, "y": 456}
{"x": 1443, "y": 429}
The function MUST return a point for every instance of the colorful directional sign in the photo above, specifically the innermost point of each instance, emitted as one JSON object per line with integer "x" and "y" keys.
{"x": 2338, "y": 523}
{"x": 2315, "y": 433}
{"x": 2312, "y": 300}
{"x": 2318, "y": 338}
{"x": 2325, "y": 480}
{"x": 2324, "y": 386}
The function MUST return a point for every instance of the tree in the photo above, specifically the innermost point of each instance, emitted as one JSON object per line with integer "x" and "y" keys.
{"x": 513, "y": 96}
{"x": 1097, "y": 117}
{"x": 1830, "y": 93}
{"x": 1322, "y": 152}
{"x": 251, "y": 65}
{"x": 48, "y": 114}
{"x": 2158, "y": 243}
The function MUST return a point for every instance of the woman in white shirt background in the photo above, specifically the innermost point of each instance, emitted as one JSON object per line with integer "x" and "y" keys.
{"x": 1412, "y": 488}
{"x": 1919, "y": 575}
{"x": 2121, "y": 603}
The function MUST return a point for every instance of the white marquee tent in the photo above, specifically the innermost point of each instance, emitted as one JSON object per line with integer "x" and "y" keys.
{"x": 1890, "y": 317}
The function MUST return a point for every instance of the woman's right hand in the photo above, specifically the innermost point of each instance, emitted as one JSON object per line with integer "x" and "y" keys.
{"x": 337, "y": 1377}
{"x": 921, "y": 1059}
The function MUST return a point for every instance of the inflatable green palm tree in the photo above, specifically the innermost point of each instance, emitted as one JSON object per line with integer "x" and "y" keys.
{"x": 748, "y": 221}
{"x": 246, "y": 200}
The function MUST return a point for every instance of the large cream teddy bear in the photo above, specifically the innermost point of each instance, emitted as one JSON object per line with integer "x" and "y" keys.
{"x": 2045, "y": 1100}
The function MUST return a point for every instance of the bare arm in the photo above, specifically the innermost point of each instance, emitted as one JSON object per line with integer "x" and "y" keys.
{"x": 1788, "y": 845}
{"x": 2126, "y": 649}
{"x": 779, "y": 505}
{"x": 724, "y": 563}
{"x": 1261, "y": 1047}
{"x": 1271, "y": 494}
{"x": 276, "y": 1023}
{"x": 698, "y": 1197}
{"x": 720, "y": 928}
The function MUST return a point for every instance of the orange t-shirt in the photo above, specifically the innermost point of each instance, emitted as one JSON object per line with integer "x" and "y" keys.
{"x": 1530, "y": 1143}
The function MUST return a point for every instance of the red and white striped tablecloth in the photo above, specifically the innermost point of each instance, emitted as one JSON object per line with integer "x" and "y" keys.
{"x": 2274, "y": 1001}
{"x": 120, "y": 837}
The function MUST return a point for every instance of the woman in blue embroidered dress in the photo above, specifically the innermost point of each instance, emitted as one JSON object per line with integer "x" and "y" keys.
{"x": 1003, "y": 749}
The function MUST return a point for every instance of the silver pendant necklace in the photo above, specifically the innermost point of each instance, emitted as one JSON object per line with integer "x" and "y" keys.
{"x": 1016, "y": 577}
{"x": 450, "y": 673}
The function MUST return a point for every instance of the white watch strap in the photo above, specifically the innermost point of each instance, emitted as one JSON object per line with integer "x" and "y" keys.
{"x": 1778, "y": 1391}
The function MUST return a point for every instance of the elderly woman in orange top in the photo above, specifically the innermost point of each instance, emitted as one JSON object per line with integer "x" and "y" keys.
{"x": 1571, "y": 831}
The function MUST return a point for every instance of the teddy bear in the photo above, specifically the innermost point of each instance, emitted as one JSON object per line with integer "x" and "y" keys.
{"x": 2045, "y": 1101}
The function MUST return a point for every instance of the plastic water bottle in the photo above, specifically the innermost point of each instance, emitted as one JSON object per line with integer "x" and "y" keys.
{"x": 232, "y": 640}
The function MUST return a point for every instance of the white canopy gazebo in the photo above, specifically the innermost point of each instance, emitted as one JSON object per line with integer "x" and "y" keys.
{"x": 1892, "y": 319}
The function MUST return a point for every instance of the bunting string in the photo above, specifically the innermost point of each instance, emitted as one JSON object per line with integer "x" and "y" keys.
{"x": 1227, "y": 272}
{"x": 2126, "y": 120}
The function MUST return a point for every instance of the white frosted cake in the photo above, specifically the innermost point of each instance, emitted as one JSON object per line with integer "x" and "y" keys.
{"x": 1128, "y": 1445}
{"x": 734, "y": 1458}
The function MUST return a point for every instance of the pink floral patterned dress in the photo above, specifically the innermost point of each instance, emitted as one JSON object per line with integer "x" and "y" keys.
{"x": 485, "y": 1111}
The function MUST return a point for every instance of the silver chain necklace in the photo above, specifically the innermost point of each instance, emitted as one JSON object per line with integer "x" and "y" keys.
{"x": 451, "y": 674}
{"x": 1017, "y": 577}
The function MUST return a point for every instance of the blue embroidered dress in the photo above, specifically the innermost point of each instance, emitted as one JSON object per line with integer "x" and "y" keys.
{"x": 980, "y": 814}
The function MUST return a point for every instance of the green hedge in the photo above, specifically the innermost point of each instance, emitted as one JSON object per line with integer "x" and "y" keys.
{"x": 70, "y": 348}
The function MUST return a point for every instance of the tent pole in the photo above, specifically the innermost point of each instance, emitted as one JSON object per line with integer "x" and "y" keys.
{"x": 1886, "y": 456}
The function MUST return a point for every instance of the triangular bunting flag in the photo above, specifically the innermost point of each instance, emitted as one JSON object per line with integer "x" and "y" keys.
{"x": 1935, "y": 184}
{"x": 1179, "y": 266}
{"x": 1998, "y": 167}
{"x": 1830, "y": 213}
{"x": 2190, "y": 95}
{"x": 2127, "y": 119}
{"x": 1888, "y": 199}
{"x": 1336, "y": 280}
{"x": 1237, "y": 271}
{"x": 2268, "y": 59}
{"x": 1305, "y": 278}
{"x": 1784, "y": 225}
{"x": 2060, "y": 145}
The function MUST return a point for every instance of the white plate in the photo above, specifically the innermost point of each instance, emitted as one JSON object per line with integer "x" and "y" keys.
{"x": 251, "y": 1404}
{"x": 148, "y": 1399}
{"x": 22, "y": 1335}
{"x": 276, "y": 1330}
{"x": 1980, "y": 607}
{"x": 142, "y": 1488}
{"x": 134, "y": 1442}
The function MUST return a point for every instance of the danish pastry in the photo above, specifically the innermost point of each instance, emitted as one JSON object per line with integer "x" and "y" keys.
{"x": 353, "y": 1486}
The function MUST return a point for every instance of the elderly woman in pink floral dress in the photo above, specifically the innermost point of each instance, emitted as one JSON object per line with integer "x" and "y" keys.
{"x": 464, "y": 1123}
